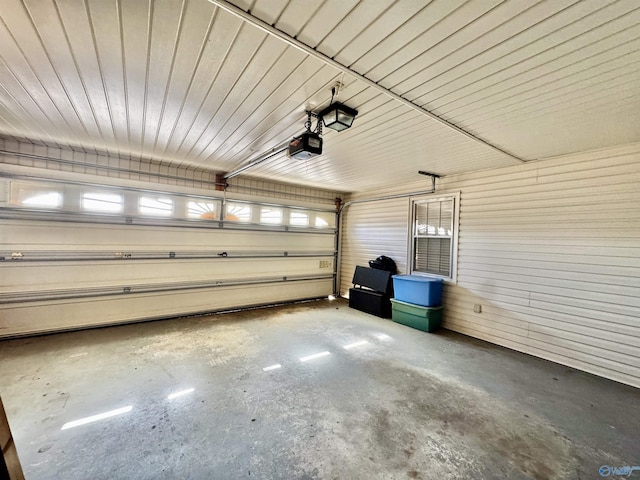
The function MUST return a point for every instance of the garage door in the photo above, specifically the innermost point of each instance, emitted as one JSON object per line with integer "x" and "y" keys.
{"x": 75, "y": 255}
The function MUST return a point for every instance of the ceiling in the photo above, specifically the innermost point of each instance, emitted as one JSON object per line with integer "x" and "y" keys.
{"x": 445, "y": 86}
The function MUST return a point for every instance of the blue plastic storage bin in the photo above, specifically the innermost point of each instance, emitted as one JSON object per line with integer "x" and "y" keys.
{"x": 425, "y": 291}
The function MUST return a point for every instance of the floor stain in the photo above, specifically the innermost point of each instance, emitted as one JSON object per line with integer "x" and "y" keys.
{"x": 229, "y": 342}
{"x": 462, "y": 417}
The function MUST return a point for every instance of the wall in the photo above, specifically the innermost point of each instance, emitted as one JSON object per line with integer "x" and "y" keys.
{"x": 67, "y": 268}
{"x": 550, "y": 249}
{"x": 370, "y": 230}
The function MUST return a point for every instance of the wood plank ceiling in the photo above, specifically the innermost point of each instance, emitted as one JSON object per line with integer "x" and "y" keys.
{"x": 191, "y": 82}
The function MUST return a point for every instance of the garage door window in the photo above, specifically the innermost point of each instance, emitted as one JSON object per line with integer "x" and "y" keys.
{"x": 433, "y": 237}
{"x": 158, "y": 206}
{"x": 36, "y": 195}
{"x": 168, "y": 208}
{"x": 325, "y": 220}
{"x": 298, "y": 218}
{"x": 102, "y": 202}
{"x": 238, "y": 212}
{"x": 271, "y": 215}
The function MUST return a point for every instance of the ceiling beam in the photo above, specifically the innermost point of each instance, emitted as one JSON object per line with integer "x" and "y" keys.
{"x": 271, "y": 30}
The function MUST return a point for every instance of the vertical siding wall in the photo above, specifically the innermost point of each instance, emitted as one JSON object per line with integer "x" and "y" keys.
{"x": 370, "y": 230}
{"x": 551, "y": 250}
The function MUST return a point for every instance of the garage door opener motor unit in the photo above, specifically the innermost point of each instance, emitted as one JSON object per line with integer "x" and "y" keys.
{"x": 309, "y": 144}
{"x": 305, "y": 146}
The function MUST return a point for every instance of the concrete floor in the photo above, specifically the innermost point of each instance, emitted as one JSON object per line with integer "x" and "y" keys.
{"x": 406, "y": 404}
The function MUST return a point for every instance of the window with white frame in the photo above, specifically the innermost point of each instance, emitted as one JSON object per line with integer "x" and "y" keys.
{"x": 433, "y": 236}
{"x": 325, "y": 219}
{"x": 102, "y": 202}
{"x": 298, "y": 218}
{"x": 271, "y": 215}
{"x": 36, "y": 195}
{"x": 202, "y": 209}
{"x": 238, "y": 212}
{"x": 159, "y": 206}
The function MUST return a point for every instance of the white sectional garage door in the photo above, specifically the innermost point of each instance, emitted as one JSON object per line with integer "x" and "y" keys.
{"x": 76, "y": 255}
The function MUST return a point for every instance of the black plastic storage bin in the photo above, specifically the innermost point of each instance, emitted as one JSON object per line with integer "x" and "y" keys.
{"x": 375, "y": 303}
{"x": 372, "y": 291}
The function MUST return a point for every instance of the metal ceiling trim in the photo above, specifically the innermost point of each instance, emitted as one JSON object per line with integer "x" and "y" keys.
{"x": 271, "y": 30}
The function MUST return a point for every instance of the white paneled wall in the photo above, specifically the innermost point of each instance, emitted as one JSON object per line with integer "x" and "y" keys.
{"x": 550, "y": 250}
{"x": 370, "y": 230}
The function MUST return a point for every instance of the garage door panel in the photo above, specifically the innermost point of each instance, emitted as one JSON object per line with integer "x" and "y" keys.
{"x": 40, "y": 317}
{"x": 18, "y": 235}
{"x": 20, "y": 276}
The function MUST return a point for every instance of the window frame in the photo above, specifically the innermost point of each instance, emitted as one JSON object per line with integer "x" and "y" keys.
{"x": 453, "y": 253}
